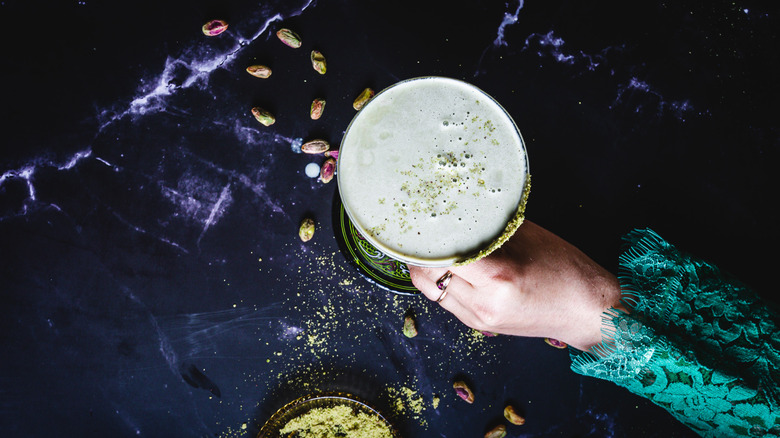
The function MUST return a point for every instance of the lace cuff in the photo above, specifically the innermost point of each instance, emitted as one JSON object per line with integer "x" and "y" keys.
{"x": 697, "y": 343}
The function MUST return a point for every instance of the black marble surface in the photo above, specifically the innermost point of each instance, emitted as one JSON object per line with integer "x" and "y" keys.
{"x": 153, "y": 283}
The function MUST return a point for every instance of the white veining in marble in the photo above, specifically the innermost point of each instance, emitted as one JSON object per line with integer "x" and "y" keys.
{"x": 189, "y": 69}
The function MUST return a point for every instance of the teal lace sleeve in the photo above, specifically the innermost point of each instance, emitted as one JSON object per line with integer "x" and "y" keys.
{"x": 696, "y": 342}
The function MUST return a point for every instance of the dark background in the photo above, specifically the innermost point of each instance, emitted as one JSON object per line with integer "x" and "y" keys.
{"x": 152, "y": 280}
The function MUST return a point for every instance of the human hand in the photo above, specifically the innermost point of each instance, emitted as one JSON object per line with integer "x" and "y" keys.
{"x": 535, "y": 285}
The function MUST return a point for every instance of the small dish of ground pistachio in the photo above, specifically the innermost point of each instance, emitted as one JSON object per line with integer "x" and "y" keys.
{"x": 332, "y": 415}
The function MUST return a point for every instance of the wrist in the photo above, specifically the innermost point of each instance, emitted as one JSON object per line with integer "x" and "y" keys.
{"x": 587, "y": 327}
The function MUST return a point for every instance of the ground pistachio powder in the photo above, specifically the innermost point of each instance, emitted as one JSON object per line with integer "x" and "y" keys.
{"x": 339, "y": 421}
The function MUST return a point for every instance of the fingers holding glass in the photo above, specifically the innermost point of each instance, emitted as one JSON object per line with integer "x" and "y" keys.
{"x": 439, "y": 284}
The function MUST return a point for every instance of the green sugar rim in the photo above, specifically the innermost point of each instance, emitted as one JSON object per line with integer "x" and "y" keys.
{"x": 509, "y": 230}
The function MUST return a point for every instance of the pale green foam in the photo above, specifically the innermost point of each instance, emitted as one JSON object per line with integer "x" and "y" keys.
{"x": 433, "y": 172}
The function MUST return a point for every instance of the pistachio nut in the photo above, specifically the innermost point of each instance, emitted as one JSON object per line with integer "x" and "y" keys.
{"x": 332, "y": 154}
{"x": 512, "y": 416}
{"x": 463, "y": 391}
{"x": 318, "y": 62}
{"x": 315, "y": 146}
{"x": 555, "y": 343}
{"x": 362, "y": 99}
{"x": 214, "y": 27}
{"x": 263, "y": 116}
{"x": 259, "y": 71}
{"x": 306, "y": 230}
{"x": 317, "y": 107}
{"x": 410, "y": 326}
{"x": 327, "y": 170}
{"x": 496, "y": 432}
{"x": 289, "y": 37}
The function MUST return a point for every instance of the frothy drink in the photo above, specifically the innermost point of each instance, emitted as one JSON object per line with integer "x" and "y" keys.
{"x": 433, "y": 171}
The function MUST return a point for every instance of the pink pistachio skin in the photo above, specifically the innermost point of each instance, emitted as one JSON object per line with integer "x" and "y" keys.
{"x": 214, "y": 27}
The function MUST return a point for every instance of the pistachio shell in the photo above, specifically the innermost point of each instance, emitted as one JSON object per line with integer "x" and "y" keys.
{"x": 362, "y": 99}
{"x": 263, "y": 116}
{"x": 512, "y": 416}
{"x": 327, "y": 171}
{"x": 289, "y": 38}
{"x": 315, "y": 146}
{"x": 214, "y": 27}
{"x": 318, "y": 62}
{"x": 463, "y": 391}
{"x": 259, "y": 71}
{"x": 496, "y": 432}
{"x": 410, "y": 326}
{"x": 306, "y": 230}
{"x": 555, "y": 343}
{"x": 317, "y": 107}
